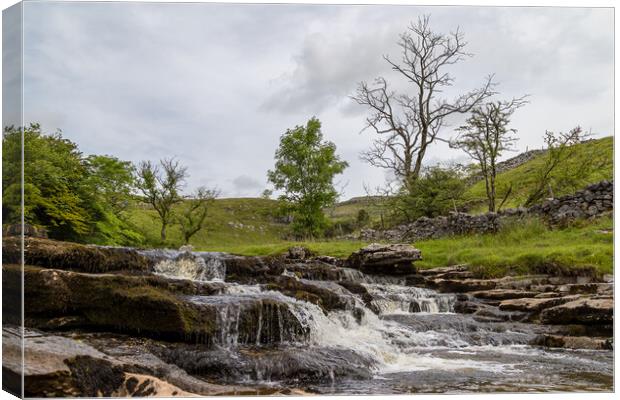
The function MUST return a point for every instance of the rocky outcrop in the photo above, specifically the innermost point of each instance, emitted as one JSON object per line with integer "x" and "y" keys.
{"x": 144, "y": 306}
{"x": 392, "y": 259}
{"x": 72, "y": 256}
{"x": 581, "y": 311}
{"x": 92, "y": 365}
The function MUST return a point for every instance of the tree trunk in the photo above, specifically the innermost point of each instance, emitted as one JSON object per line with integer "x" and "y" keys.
{"x": 492, "y": 194}
{"x": 163, "y": 232}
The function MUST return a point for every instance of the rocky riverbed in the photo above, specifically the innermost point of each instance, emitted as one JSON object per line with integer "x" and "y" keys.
{"x": 129, "y": 322}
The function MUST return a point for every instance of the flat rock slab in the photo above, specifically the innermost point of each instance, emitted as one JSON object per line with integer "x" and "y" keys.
{"x": 503, "y": 294}
{"x": 580, "y": 311}
{"x": 591, "y": 288}
{"x": 461, "y": 285}
{"x": 533, "y": 304}
{"x": 574, "y": 342}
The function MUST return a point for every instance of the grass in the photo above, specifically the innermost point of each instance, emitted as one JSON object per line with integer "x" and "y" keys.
{"x": 526, "y": 247}
{"x": 522, "y": 178}
{"x": 230, "y": 223}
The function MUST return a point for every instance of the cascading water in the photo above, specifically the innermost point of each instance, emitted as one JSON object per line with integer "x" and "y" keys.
{"x": 198, "y": 266}
{"x": 403, "y": 337}
{"x": 390, "y": 299}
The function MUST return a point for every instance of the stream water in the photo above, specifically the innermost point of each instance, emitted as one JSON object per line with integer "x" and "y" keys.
{"x": 406, "y": 340}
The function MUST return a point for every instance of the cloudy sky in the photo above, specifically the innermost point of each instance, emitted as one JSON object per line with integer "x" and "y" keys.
{"x": 217, "y": 84}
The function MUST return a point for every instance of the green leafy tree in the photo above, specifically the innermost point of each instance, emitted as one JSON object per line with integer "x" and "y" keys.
{"x": 434, "y": 193}
{"x": 71, "y": 196}
{"x": 55, "y": 193}
{"x": 363, "y": 218}
{"x": 305, "y": 168}
{"x": 112, "y": 180}
{"x": 161, "y": 186}
{"x": 193, "y": 217}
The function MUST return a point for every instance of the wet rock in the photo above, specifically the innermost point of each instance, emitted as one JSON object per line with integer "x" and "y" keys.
{"x": 299, "y": 253}
{"x": 324, "y": 298}
{"x": 358, "y": 289}
{"x": 72, "y": 256}
{"x": 533, "y": 304}
{"x": 580, "y": 311}
{"x": 141, "y": 305}
{"x": 455, "y": 271}
{"x": 252, "y": 270}
{"x": 461, "y": 285}
{"x": 297, "y": 364}
{"x": 390, "y": 259}
{"x": 573, "y": 342}
{"x": 587, "y": 288}
{"x": 466, "y": 307}
{"x": 315, "y": 270}
{"x": 502, "y": 294}
{"x": 329, "y": 260}
{"x": 547, "y": 295}
{"x": 92, "y": 365}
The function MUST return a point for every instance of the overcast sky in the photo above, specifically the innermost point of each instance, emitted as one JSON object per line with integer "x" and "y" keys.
{"x": 217, "y": 84}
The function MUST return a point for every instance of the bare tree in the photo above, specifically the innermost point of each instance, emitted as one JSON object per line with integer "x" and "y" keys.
{"x": 555, "y": 170}
{"x": 485, "y": 136}
{"x": 192, "y": 218}
{"x": 161, "y": 185}
{"x": 406, "y": 124}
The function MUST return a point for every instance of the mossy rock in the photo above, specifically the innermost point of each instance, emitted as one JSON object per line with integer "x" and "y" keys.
{"x": 119, "y": 303}
{"x": 72, "y": 256}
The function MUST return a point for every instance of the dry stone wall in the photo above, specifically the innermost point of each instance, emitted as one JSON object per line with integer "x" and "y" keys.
{"x": 594, "y": 200}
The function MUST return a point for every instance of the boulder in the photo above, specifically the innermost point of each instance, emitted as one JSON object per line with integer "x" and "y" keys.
{"x": 299, "y": 253}
{"x": 386, "y": 259}
{"x": 581, "y": 311}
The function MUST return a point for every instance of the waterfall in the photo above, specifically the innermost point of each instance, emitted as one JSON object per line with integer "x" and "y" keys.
{"x": 198, "y": 266}
{"x": 391, "y": 299}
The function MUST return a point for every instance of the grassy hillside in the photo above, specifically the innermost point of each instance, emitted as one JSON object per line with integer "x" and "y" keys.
{"x": 522, "y": 178}
{"x": 230, "y": 222}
